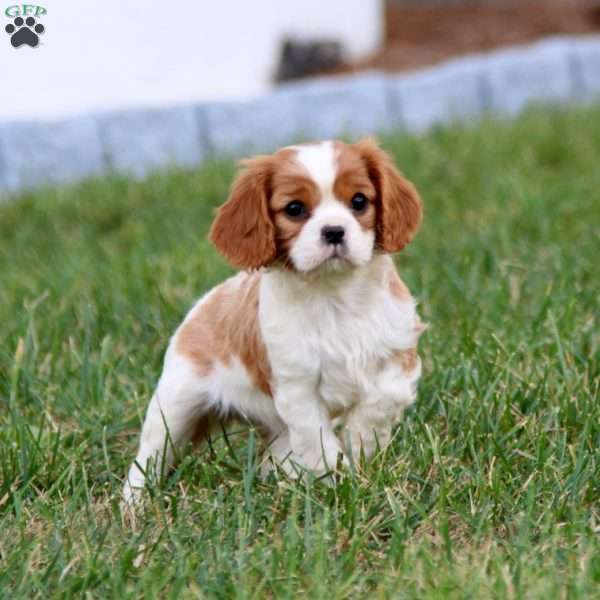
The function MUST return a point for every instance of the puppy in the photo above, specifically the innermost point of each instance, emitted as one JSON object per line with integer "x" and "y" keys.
{"x": 315, "y": 341}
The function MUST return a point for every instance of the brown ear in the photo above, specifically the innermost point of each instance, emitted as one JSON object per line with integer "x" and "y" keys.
{"x": 242, "y": 230}
{"x": 398, "y": 204}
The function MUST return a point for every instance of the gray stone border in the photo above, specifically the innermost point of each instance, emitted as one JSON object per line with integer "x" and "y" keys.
{"x": 557, "y": 70}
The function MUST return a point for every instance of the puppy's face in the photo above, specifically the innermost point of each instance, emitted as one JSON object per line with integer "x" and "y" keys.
{"x": 325, "y": 206}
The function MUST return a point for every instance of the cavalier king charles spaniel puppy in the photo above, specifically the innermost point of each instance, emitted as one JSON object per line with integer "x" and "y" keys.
{"x": 314, "y": 341}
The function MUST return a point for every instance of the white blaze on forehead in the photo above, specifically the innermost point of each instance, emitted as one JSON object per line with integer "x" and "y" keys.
{"x": 320, "y": 162}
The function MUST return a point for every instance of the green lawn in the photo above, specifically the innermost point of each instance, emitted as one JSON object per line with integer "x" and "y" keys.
{"x": 491, "y": 487}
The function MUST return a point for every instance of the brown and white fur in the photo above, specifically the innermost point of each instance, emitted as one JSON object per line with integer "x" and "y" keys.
{"x": 315, "y": 341}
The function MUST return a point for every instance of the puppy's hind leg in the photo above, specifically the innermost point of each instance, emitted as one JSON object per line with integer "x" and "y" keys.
{"x": 178, "y": 411}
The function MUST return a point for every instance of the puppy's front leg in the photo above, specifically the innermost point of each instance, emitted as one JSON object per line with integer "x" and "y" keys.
{"x": 369, "y": 424}
{"x": 312, "y": 439}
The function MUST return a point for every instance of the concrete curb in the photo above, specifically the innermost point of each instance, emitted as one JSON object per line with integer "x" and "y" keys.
{"x": 556, "y": 70}
{"x": 137, "y": 141}
{"x": 33, "y": 153}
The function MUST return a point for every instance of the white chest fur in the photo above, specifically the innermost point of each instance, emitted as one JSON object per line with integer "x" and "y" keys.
{"x": 334, "y": 333}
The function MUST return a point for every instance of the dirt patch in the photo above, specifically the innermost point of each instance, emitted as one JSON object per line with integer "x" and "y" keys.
{"x": 422, "y": 35}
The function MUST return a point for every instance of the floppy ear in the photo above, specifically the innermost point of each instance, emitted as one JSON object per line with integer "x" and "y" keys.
{"x": 398, "y": 204}
{"x": 242, "y": 230}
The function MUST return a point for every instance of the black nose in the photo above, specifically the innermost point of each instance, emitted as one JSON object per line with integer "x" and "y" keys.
{"x": 333, "y": 234}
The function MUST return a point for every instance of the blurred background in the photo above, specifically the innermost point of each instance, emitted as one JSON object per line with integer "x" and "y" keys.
{"x": 113, "y": 55}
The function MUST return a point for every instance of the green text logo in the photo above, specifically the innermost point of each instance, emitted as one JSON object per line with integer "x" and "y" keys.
{"x": 25, "y": 10}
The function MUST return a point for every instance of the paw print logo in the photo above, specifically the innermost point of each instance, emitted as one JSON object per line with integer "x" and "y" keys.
{"x": 24, "y": 32}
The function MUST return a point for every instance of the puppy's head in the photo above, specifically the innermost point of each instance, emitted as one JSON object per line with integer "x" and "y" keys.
{"x": 317, "y": 206}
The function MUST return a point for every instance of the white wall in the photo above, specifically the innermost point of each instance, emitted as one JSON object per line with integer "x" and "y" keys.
{"x": 106, "y": 54}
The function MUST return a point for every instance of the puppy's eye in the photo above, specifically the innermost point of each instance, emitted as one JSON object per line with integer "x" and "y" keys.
{"x": 295, "y": 209}
{"x": 359, "y": 202}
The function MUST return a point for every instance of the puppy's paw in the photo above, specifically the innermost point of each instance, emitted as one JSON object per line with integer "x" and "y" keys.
{"x": 328, "y": 462}
{"x": 130, "y": 504}
{"x": 295, "y": 467}
{"x": 131, "y": 495}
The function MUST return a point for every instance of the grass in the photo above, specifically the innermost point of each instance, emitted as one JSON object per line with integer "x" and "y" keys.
{"x": 491, "y": 486}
